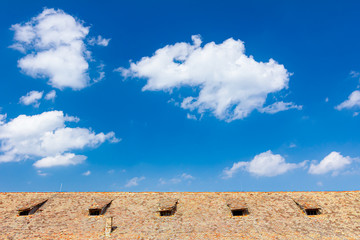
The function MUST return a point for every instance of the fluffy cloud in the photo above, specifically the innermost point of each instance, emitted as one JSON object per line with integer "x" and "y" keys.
{"x": 56, "y": 49}
{"x": 230, "y": 84}
{"x": 334, "y": 162}
{"x": 60, "y": 160}
{"x": 134, "y": 181}
{"x": 50, "y": 95}
{"x": 265, "y": 164}
{"x": 46, "y": 139}
{"x": 352, "y": 101}
{"x": 31, "y": 97}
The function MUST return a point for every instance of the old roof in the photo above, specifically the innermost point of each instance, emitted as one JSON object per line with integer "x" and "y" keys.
{"x": 167, "y": 203}
{"x": 29, "y": 204}
{"x": 307, "y": 203}
{"x": 98, "y": 203}
{"x": 272, "y": 215}
{"x": 236, "y": 203}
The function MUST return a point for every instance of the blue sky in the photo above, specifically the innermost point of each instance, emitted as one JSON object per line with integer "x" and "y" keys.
{"x": 179, "y": 96}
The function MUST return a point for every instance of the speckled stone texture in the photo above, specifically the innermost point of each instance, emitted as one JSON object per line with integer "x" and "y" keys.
{"x": 272, "y": 215}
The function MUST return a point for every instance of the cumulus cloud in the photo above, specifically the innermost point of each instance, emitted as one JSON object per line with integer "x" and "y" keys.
{"x": 229, "y": 83}
{"x": 55, "y": 48}
{"x": 134, "y": 181}
{"x": 31, "y": 98}
{"x": 50, "y": 95}
{"x": 352, "y": 101}
{"x": 60, "y": 160}
{"x": 99, "y": 41}
{"x": 265, "y": 164}
{"x": 334, "y": 162}
{"x": 46, "y": 139}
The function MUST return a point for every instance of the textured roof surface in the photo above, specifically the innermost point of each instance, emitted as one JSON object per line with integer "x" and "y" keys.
{"x": 272, "y": 215}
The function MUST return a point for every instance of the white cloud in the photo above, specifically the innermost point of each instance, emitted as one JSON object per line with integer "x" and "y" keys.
{"x": 352, "y": 101}
{"x": 99, "y": 41}
{"x": 265, "y": 164}
{"x": 134, "y": 181}
{"x": 334, "y": 162}
{"x": 279, "y": 106}
{"x": 60, "y": 160}
{"x": 41, "y": 173}
{"x": 178, "y": 179}
{"x": 47, "y": 139}
{"x": 2, "y": 118}
{"x": 100, "y": 71}
{"x": 292, "y": 145}
{"x": 354, "y": 74}
{"x": 230, "y": 84}
{"x": 51, "y": 95}
{"x": 87, "y": 173}
{"x": 187, "y": 176}
{"x": 31, "y": 98}
{"x": 56, "y": 49}
{"x": 191, "y": 116}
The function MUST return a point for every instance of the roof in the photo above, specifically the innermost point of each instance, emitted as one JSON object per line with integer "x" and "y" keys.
{"x": 272, "y": 215}
{"x": 98, "y": 203}
{"x": 236, "y": 203}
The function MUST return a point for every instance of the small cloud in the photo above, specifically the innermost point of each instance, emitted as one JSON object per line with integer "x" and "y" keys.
{"x": 191, "y": 116}
{"x": 112, "y": 171}
{"x": 87, "y": 173}
{"x": 100, "y": 71}
{"x": 2, "y": 118}
{"x": 50, "y": 95}
{"x": 354, "y": 74}
{"x": 40, "y": 173}
{"x": 265, "y": 164}
{"x": 134, "y": 181}
{"x": 175, "y": 180}
{"x": 334, "y": 163}
{"x": 352, "y": 101}
{"x": 279, "y": 107}
{"x": 292, "y": 145}
{"x": 355, "y": 114}
{"x": 64, "y": 160}
{"x": 327, "y": 99}
{"x": 99, "y": 41}
{"x": 186, "y": 176}
{"x": 178, "y": 179}
{"x": 54, "y": 43}
{"x": 32, "y": 98}
{"x": 320, "y": 184}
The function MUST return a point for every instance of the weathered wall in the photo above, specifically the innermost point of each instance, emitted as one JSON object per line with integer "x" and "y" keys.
{"x": 199, "y": 216}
